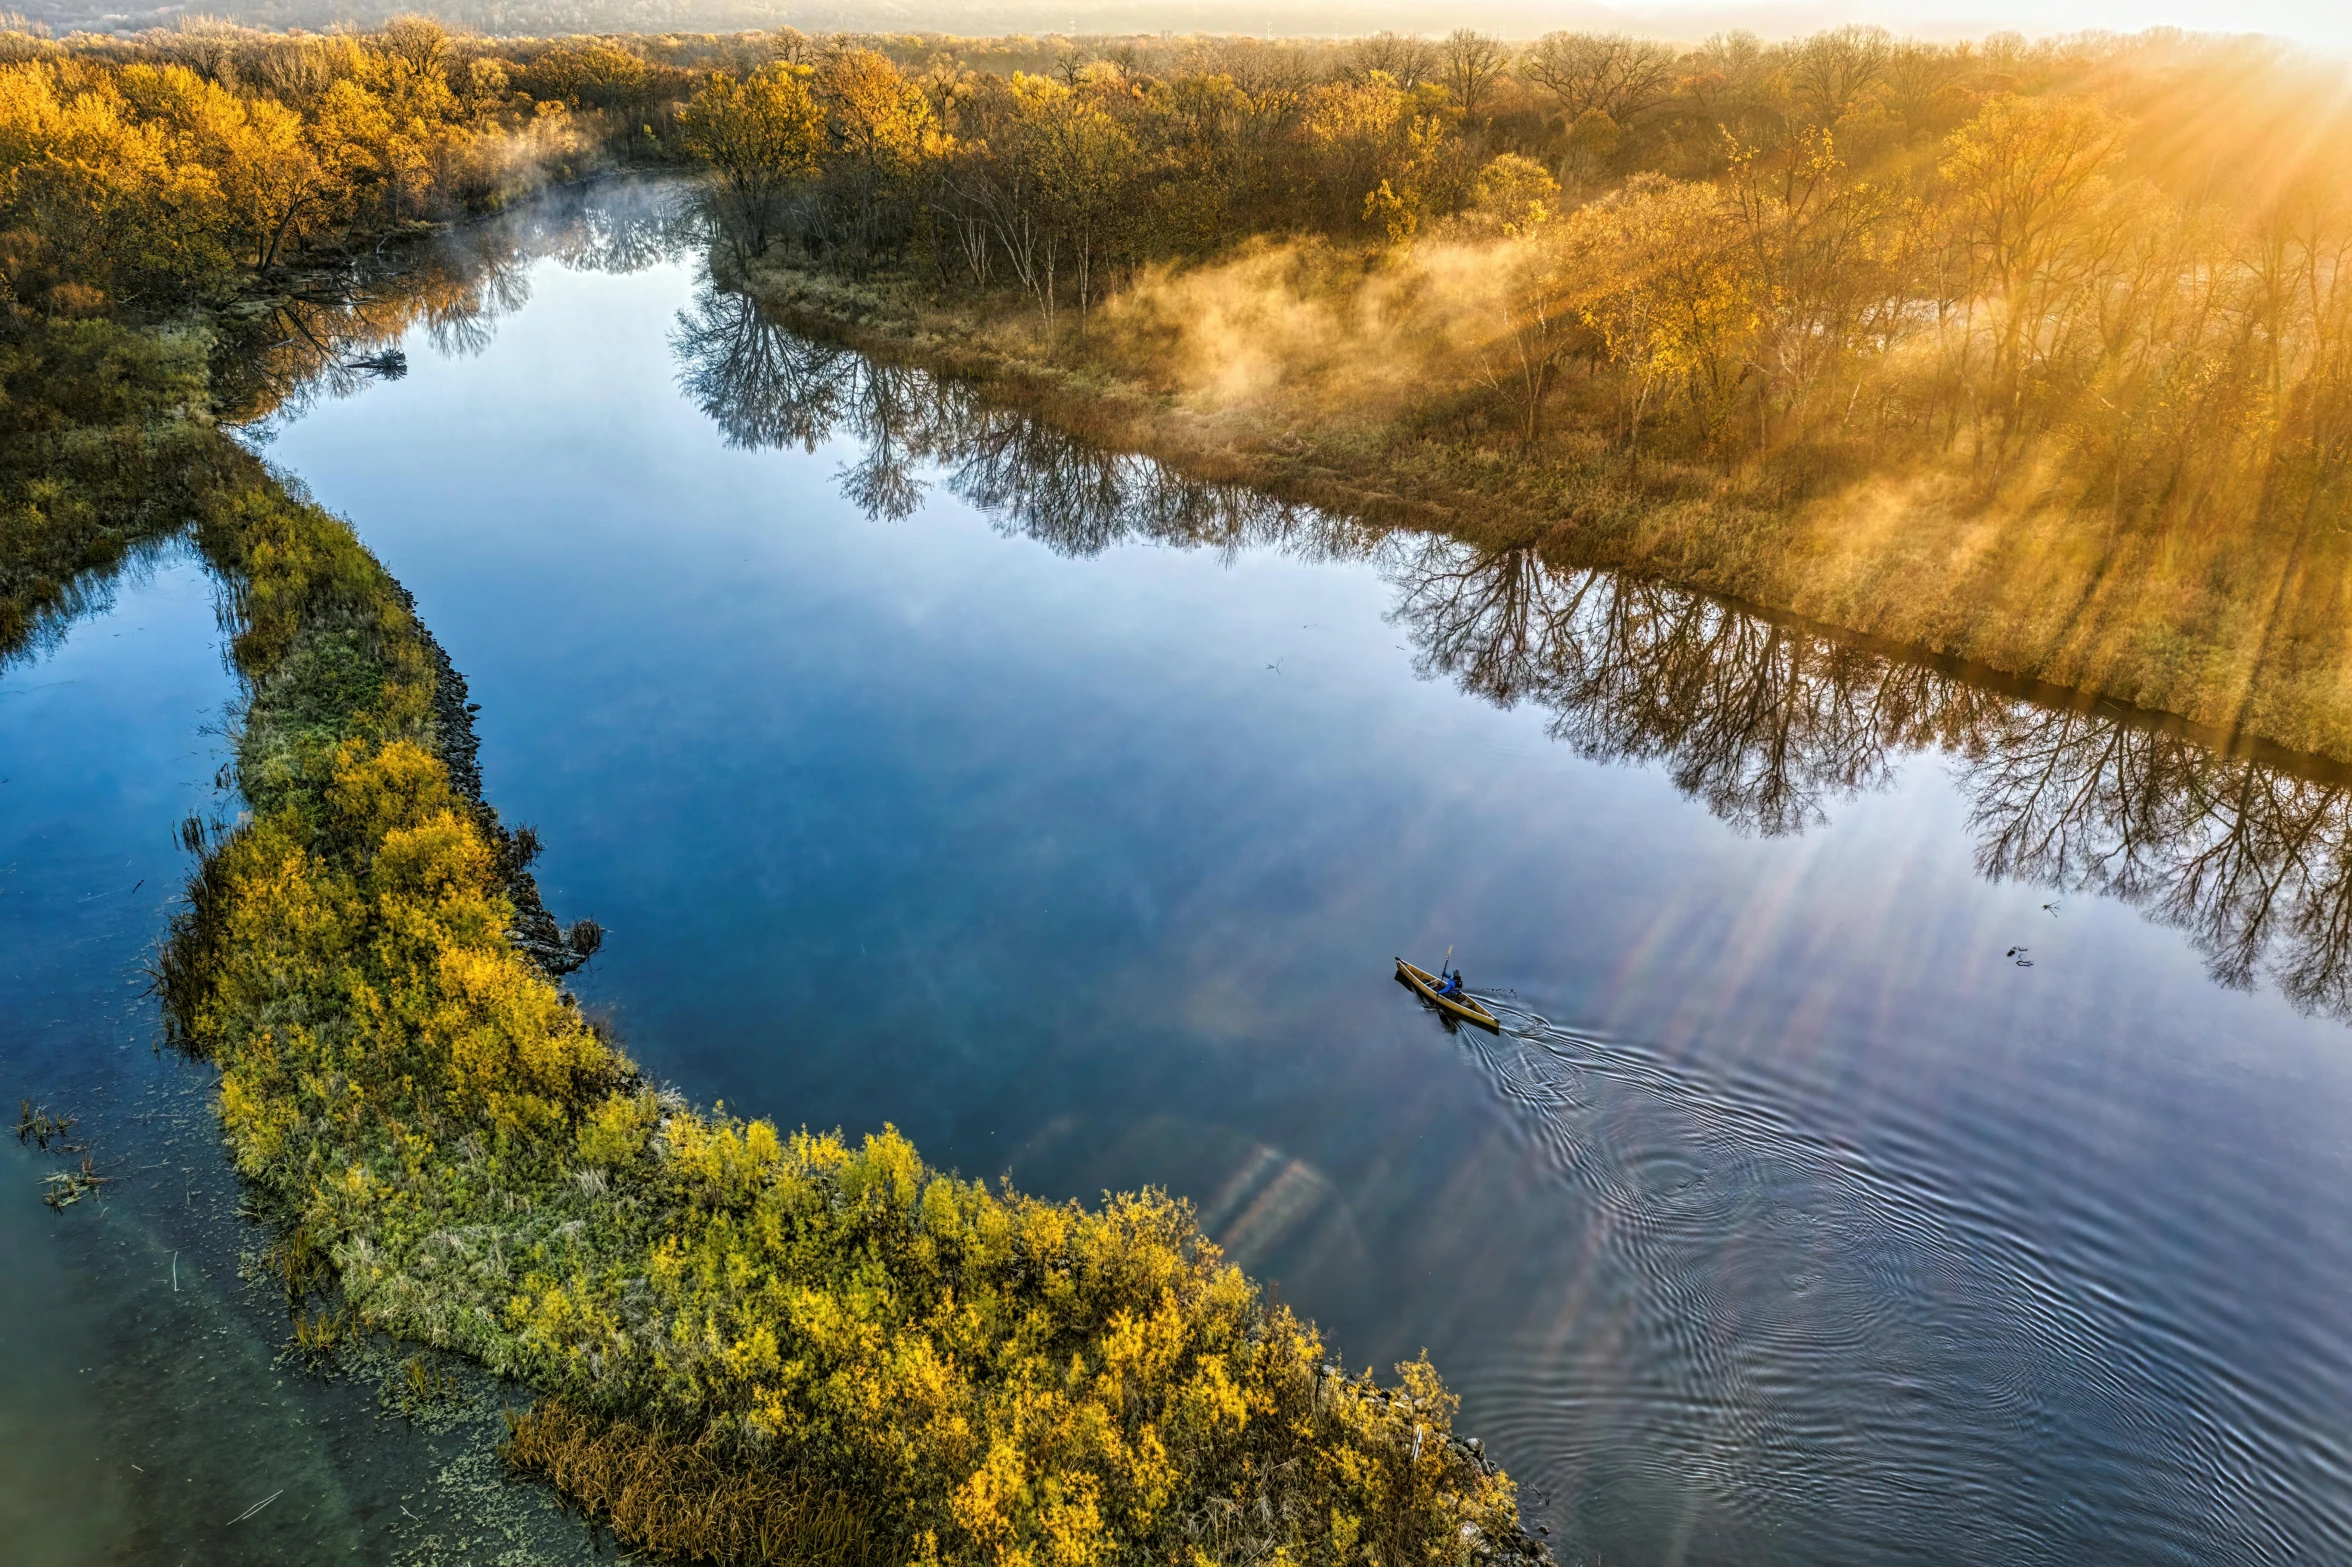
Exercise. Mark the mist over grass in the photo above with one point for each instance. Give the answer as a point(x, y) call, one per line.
point(2036, 353)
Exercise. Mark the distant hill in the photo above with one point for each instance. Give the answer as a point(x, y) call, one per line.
point(1257, 18)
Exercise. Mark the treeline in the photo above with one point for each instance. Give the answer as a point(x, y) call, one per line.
point(1846, 244)
point(143, 170)
point(2113, 263)
point(145, 174)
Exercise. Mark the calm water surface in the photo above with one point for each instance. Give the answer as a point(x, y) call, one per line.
point(926, 769)
point(147, 1411)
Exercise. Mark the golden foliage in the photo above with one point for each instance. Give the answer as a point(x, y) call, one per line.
point(669, 1488)
point(2036, 354)
point(131, 182)
point(761, 134)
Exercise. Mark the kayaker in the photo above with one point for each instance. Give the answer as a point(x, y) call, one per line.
point(1453, 984)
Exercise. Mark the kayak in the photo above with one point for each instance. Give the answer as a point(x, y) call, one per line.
point(1463, 1007)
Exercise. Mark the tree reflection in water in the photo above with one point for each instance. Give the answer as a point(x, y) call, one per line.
point(331, 333)
point(2251, 858)
point(1762, 722)
point(1766, 723)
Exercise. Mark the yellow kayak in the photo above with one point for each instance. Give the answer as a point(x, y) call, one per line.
point(1463, 1007)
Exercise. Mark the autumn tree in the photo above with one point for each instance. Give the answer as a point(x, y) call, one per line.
point(1669, 297)
point(102, 208)
point(2020, 183)
point(418, 45)
point(1832, 70)
point(883, 134)
point(296, 71)
point(1513, 200)
point(1830, 263)
point(273, 181)
point(1087, 164)
point(1373, 138)
point(763, 135)
point(1406, 60)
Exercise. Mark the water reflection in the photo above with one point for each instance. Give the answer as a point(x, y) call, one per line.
point(1766, 723)
point(2251, 860)
point(331, 335)
point(1762, 722)
point(766, 386)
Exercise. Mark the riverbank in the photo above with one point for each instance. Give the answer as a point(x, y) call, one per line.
point(1326, 382)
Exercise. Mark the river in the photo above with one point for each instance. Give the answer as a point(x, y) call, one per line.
point(1919, 1133)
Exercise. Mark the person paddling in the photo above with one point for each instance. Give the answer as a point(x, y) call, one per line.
point(1453, 984)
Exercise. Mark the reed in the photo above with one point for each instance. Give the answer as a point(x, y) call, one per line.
point(668, 1487)
point(64, 1188)
point(42, 1127)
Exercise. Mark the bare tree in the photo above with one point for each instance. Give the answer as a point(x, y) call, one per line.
point(1617, 75)
point(417, 42)
point(1831, 70)
point(1469, 64)
point(1408, 61)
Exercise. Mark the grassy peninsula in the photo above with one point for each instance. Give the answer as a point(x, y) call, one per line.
point(750, 1344)
point(758, 1346)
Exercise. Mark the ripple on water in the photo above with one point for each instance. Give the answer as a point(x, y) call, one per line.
point(1755, 1344)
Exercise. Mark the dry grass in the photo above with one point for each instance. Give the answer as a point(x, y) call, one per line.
point(2242, 629)
point(671, 1490)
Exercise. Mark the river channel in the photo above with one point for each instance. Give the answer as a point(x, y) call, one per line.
point(1920, 1129)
